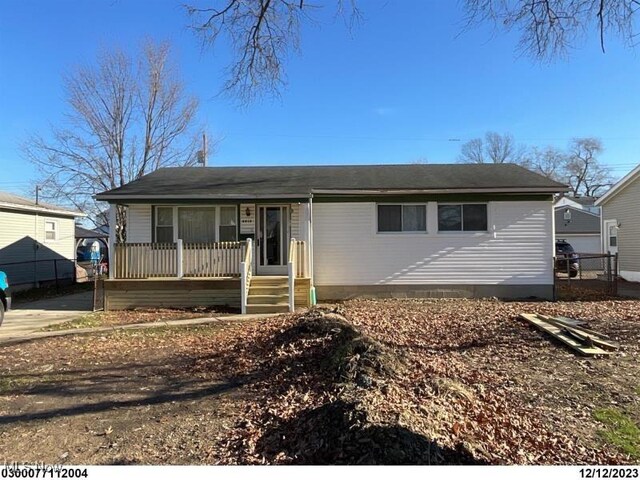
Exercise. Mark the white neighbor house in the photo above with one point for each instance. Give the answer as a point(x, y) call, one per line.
point(37, 241)
point(271, 238)
point(621, 224)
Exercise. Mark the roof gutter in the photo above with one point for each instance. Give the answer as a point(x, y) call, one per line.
point(438, 190)
point(169, 198)
point(114, 197)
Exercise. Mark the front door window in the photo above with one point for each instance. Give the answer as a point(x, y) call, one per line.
point(273, 236)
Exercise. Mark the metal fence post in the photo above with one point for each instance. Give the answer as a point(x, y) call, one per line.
point(555, 279)
point(55, 271)
point(615, 274)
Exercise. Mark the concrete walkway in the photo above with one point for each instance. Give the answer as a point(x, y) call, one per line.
point(35, 335)
point(32, 316)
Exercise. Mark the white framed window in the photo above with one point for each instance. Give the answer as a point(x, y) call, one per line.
point(196, 224)
point(406, 218)
point(164, 225)
point(50, 230)
point(228, 227)
point(463, 217)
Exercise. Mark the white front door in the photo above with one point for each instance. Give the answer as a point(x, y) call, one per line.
point(272, 243)
point(611, 236)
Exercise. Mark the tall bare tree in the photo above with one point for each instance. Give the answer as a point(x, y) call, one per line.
point(127, 117)
point(262, 33)
point(550, 28)
point(493, 148)
point(583, 171)
point(548, 161)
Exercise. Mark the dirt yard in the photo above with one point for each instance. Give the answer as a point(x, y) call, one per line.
point(397, 381)
point(128, 317)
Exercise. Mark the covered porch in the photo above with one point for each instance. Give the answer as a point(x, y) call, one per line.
point(242, 255)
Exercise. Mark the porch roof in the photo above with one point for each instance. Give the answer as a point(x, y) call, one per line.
point(303, 181)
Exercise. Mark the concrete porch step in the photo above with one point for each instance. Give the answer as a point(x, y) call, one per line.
point(268, 308)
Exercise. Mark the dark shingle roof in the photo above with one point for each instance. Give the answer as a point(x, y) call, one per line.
point(581, 221)
point(82, 232)
point(255, 182)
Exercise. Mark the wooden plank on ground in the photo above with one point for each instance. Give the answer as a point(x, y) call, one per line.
point(589, 337)
point(572, 322)
point(560, 334)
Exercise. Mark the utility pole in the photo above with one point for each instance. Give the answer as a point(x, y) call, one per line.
point(204, 149)
point(37, 194)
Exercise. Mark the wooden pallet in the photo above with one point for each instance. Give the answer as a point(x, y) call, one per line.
point(586, 342)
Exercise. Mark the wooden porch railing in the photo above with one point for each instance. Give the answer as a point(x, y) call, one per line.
point(292, 272)
point(301, 259)
point(145, 260)
point(221, 259)
point(153, 260)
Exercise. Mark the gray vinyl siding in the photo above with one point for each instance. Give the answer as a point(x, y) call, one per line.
point(625, 208)
point(22, 243)
point(517, 249)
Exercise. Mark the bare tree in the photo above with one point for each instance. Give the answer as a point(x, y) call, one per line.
point(583, 171)
point(550, 28)
point(548, 161)
point(493, 148)
point(126, 118)
point(262, 33)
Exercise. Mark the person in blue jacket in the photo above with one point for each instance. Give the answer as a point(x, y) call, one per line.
point(5, 295)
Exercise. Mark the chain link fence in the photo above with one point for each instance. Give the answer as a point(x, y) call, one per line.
point(585, 275)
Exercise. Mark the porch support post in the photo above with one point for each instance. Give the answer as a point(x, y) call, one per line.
point(179, 251)
point(112, 219)
point(292, 289)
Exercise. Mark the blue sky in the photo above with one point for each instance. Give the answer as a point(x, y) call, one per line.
point(396, 89)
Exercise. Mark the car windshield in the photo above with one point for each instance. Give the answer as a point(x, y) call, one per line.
point(564, 248)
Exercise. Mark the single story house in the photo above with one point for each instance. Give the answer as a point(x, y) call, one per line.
point(271, 238)
point(579, 227)
point(37, 242)
point(621, 224)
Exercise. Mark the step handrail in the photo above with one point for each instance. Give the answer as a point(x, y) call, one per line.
point(292, 271)
point(245, 276)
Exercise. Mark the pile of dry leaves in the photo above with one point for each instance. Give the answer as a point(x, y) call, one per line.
point(424, 381)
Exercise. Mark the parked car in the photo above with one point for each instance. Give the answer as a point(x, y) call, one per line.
point(5, 295)
point(566, 258)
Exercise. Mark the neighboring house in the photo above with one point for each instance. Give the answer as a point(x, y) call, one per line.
point(383, 230)
point(621, 224)
point(580, 228)
point(582, 203)
point(85, 238)
point(37, 242)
